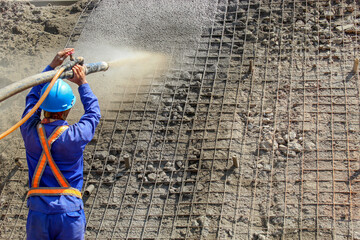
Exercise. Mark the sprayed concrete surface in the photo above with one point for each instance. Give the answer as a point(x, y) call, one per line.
point(147, 25)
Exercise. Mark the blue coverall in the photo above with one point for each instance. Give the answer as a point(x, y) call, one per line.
point(59, 217)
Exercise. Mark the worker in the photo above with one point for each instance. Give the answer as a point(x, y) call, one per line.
point(54, 153)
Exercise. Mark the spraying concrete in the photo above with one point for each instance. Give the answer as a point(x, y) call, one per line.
point(126, 31)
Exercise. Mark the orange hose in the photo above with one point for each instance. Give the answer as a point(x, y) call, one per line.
point(41, 100)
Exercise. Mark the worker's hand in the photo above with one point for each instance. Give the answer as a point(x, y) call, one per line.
point(61, 56)
point(79, 75)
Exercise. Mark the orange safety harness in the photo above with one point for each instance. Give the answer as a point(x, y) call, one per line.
point(65, 188)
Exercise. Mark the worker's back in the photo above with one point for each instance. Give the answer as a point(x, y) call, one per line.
point(54, 153)
point(67, 151)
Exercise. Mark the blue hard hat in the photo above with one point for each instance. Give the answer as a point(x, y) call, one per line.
point(60, 98)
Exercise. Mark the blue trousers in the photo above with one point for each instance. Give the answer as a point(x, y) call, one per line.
point(69, 226)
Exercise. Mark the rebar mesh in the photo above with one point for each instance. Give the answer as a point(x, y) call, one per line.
point(270, 85)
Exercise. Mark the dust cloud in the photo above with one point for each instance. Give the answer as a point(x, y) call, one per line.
point(127, 68)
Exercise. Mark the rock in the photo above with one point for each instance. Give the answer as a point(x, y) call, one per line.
point(349, 9)
point(110, 178)
point(152, 177)
point(203, 221)
point(162, 174)
point(197, 153)
point(166, 179)
point(169, 164)
point(170, 169)
point(268, 145)
point(309, 146)
point(101, 155)
point(283, 148)
point(292, 154)
point(185, 75)
point(87, 156)
point(266, 120)
point(119, 175)
point(352, 128)
point(299, 23)
point(51, 27)
point(193, 167)
point(144, 194)
point(75, 9)
point(140, 176)
point(179, 108)
point(151, 168)
point(268, 114)
point(290, 136)
point(259, 236)
point(190, 109)
point(295, 146)
point(264, 11)
point(198, 76)
point(139, 168)
point(116, 148)
point(109, 168)
point(194, 223)
point(16, 30)
point(280, 140)
point(97, 165)
point(324, 23)
point(112, 158)
point(276, 220)
point(267, 167)
point(356, 234)
point(173, 190)
point(86, 166)
point(179, 164)
point(230, 232)
point(329, 15)
point(345, 27)
point(170, 85)
point(248, 32)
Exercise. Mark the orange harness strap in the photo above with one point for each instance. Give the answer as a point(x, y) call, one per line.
point(65, 188)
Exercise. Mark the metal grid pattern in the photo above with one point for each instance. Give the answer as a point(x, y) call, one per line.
point(81, 22)
point(270, 86)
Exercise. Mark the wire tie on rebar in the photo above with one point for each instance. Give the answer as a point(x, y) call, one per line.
point(89, 189)
point(127, 161)
point(235, 162)
point(18, 163)
point(251, 67)
point(356, 65)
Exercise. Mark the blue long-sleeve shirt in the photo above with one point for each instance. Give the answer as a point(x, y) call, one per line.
point(67, 150)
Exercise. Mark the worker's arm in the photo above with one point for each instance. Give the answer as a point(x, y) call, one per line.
point(84, 130)
point(34, 94)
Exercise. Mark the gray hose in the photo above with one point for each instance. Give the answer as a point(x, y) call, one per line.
point(44, 77)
